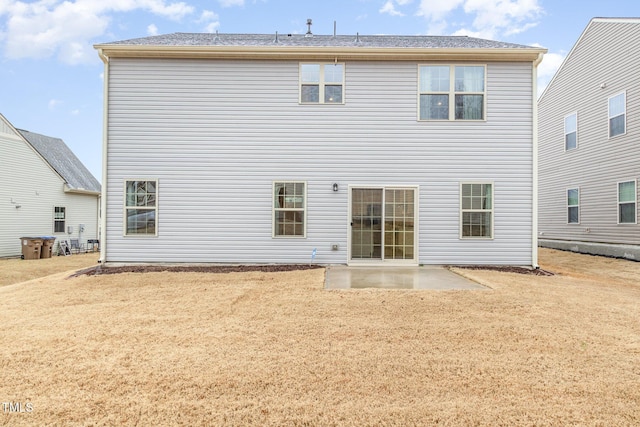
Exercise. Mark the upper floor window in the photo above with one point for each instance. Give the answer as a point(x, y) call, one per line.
point(59, 219)
point(476, 210)
point(289, 209)
point(617, 114)
point(322, 83)
point(573, 206)
point(452, 92)
point(627, 202)
point(141, 206)
point(571, 132)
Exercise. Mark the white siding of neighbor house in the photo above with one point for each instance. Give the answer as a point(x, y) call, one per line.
point(606, 54)
point(217, 134)
point(27, 180)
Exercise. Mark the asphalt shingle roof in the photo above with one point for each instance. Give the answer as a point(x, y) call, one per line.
point(300, 40)
point(63, 161)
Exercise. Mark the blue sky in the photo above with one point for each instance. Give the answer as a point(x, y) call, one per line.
point(52, 77)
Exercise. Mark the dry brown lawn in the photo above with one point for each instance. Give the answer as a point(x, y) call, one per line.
point(16, 270)
point(276, 349)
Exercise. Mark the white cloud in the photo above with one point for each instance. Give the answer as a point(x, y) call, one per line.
point(491, 18)
point(53, 104)
point(152, 30)
point(45, 28)
point(547, 69)
point(390, 8)
point(210, 19)
point(230, 3)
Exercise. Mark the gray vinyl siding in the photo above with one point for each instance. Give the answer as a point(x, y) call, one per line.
point(606, 53)
point(27, 180)
point(217, 134)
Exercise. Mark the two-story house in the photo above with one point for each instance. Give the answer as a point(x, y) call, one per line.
point(271, 148)
point(589, 152)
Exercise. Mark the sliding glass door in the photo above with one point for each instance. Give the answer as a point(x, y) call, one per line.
point(383, 223)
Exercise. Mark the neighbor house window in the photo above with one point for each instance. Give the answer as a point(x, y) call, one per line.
point(59, 219)
point(571, 132)
point(627, 202)
point(476, 209)
point(573, 206)
point(452, 92)
point(322, 83)
point(141, 207)
point(289, 209)
point(617, 114)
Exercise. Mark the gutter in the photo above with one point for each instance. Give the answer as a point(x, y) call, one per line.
point(318, 53)
point(68, 189)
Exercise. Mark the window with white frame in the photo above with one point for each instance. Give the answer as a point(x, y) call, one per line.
point(452, 92)
point(617, 114)
point(476, 210)
point(573, 206)
point(322, 83)
point(627, 202)
point(289, 209)
point(141, 207)
point(571, 131)
point(59, 219)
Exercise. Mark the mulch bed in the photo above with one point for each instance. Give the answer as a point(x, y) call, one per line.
point(271, 268)
point(509, 269)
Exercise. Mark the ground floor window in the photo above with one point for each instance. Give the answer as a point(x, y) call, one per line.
point(627, 202)
point(59, 219)
point(476, 210)
point(289, 209)
point(141, 205)
point(573, 206)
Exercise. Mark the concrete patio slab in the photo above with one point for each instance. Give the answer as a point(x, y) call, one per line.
point(428, 277)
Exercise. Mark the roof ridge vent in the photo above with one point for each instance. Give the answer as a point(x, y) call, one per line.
point(309, 33)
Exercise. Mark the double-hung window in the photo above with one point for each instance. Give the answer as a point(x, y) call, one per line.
point(322, 83)
point(289, 209)
point(627, 202)
point(617, 114)
point(573, 206)
point(476, 210)
point(59, 219)
point(452, 92)
point(571, 131)
point(141, 207)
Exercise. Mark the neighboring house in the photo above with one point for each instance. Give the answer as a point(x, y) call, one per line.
point(245, 148)
point(44, 190)
point(589, 130)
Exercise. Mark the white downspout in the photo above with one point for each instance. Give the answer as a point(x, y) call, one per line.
point(103, 199)
point(534, 165)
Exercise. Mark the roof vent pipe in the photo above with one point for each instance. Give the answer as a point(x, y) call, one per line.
point(276, 40)
point(309, 23)
point(334, 29)
point(357, 37)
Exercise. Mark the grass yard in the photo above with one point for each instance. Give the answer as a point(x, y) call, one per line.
point(277, 349)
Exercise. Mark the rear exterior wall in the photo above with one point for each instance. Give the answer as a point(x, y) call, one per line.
point(216, 134)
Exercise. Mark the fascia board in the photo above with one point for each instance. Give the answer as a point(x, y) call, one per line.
point(320, 53)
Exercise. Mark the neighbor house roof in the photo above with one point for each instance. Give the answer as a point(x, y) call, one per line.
point(317, 46)
point(77, 177)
